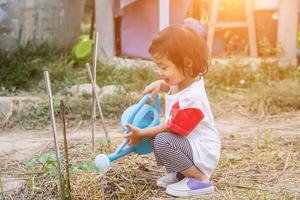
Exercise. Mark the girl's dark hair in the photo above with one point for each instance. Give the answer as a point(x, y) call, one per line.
point(184, 47)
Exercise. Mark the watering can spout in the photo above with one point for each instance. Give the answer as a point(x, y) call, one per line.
point(123, 152)
point(103, 161)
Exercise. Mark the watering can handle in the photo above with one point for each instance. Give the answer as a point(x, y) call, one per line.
point(137, 108)
point(156, 103)
point(141, 103)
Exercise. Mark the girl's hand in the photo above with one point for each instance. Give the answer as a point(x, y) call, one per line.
point(134, 135)
point(155, 87)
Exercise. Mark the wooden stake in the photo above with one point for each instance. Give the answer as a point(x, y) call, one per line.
point(62, 111)
point(94, 93)
point(98, 102)
point(52, 116)
point(92, 26)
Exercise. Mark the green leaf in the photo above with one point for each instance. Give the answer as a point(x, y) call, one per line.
point(46, 170)
point(286, 196)
point(43, 159)
point(74, 168)
point(51, 163)
point(82, 49)
point(84, 166)
point(31, 162)
point(49, 170)
point(232, 156)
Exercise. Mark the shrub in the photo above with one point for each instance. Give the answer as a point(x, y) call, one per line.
point(131, 78)
point(23, 68)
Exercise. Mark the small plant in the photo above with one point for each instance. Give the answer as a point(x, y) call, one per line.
point(47, 164)
point(36, 116)
point(235, 44)
point(84, 166)
point(267, 50)
point(265, 195)
point(131, 78)
point(232, 156)
point(1, 188)
point(267, 136)
point(286, 196)
point(31, 181)
point(22, 68)
point(252, 193)
point(298, 38)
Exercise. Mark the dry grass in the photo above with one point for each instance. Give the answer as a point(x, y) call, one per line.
point(267, 91)
point(257, 166)
point(260, 166)
point(274, 98)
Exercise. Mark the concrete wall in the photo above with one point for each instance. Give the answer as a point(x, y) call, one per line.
point(288, 27)
point(105, 29)
point(54, 21)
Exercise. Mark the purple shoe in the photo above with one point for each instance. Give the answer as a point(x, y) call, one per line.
point(169, 178)
point(189, 187)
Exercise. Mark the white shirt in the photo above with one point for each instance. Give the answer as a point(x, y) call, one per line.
point(204, 137)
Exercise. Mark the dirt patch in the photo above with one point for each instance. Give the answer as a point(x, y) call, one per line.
point(240, 133)
point(24, 144)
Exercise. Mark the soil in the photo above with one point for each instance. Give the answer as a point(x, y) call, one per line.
point(20, 145)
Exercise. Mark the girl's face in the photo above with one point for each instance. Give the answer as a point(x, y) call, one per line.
point(168, 70)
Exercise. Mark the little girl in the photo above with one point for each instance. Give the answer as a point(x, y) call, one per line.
point(187, 143)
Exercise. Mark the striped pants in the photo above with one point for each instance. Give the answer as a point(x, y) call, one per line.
point(172, 151)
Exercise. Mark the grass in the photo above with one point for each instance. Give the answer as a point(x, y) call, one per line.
point(1, 188)
point(275, 97)
point(246, 170)
point(77, 109)
point(268, 90)
point(257, 166)
point(22, 70)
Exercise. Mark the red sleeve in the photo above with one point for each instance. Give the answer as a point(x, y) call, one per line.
point(184, 121)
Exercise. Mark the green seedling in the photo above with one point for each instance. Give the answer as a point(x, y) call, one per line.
point(267, 136)
point(286, 196)
point(84, 166)
point(31, 181)
point(252, 193)
point(1, 188)
point(48, 163)
point(265, 195)
point(232, 156)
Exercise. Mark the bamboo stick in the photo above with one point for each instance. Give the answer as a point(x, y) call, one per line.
point(62, 111)
point(98, 102)
point(92, 26)
point(95, 52)
point(52, 116)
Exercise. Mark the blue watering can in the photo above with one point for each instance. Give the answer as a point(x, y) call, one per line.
point(140, 115)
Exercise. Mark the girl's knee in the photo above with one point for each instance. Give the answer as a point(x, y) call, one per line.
point(161, 140)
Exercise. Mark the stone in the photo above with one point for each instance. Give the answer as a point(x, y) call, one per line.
point(6, 106)
point(83, 89)
point(9, 105)
point(11, 184)
point(20, 103)
point(111, 90)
